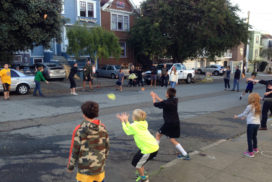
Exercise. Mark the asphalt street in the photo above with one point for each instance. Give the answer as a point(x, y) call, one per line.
point(35, 133)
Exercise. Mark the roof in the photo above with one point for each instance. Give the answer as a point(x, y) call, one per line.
point(266, 36)
point(106, 3)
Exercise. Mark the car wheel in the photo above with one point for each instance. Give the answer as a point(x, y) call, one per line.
point(113, 76)
point(216, 73)
point(189, 79)
point(22, 89)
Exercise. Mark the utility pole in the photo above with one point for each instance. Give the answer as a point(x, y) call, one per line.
point(246, 48)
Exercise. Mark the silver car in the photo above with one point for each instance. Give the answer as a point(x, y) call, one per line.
point(110, 71)
point(53, 71)
point(20, 82)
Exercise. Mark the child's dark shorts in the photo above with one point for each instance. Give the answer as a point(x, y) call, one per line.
point(171, 131)
point(248, 90)
point(6, 87)
point(139, 159)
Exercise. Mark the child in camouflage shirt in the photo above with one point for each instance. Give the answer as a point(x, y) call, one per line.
point(89, 146)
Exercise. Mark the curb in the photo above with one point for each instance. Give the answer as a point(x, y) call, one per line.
point(175, 161)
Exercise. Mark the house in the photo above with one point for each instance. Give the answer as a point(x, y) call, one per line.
point(118, 16)
point(83, 11)
point(254, 48)
point(266, 42)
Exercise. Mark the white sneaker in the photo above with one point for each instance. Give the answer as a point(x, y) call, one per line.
point(75, 94)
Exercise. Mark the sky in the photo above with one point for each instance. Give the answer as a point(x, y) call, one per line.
point(260, 13)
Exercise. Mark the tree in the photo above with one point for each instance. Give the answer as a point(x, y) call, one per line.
point(95, 42)
point(28, 23)
point(188, 28)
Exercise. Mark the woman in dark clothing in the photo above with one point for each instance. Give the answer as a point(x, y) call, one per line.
point(227, 78)
point(71, 77)
point(140, 77)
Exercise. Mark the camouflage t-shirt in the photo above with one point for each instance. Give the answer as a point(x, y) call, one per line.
point(89, 148)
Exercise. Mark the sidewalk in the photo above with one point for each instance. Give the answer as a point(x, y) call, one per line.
point(222, 162)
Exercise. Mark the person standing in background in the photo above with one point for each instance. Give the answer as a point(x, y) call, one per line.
point(38, 78)
point(173, 77)
point(87, 75)
point(164, 76)
point(227, 78)
point(154, 72)
point(71, 77)
point(6, 80)
point(236, 80)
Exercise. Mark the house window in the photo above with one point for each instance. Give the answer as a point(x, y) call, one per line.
point(126, 23)
point(17, 58)
point(86, 8)
point(90, 10)
point(123, 49)
point(119, 22)
point(83, 8)
point(37, 60)
point(257, 40)
point(114, 22)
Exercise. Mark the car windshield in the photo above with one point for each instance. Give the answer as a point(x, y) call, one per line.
point(54, 65)
point(117, 67)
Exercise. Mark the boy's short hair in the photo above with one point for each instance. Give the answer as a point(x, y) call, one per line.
point(90, 109)
point(253, 74)
point(171, 92)
point(139, 115)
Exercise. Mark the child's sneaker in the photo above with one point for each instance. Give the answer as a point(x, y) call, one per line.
point(249, 154)
point(186, 157)
point(145, 180)
point(256, 151)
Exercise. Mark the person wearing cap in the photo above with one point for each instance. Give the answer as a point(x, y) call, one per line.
point(267, 105)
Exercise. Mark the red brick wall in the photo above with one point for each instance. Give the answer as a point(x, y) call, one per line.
point(236, 53)
point(123, 36)
point(127, 5)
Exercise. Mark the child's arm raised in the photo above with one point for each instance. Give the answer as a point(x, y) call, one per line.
point(128, 129)
point(244, 114)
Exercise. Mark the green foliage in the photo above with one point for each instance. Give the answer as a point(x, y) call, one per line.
point(28, 23)
point(96, 42)
point(184, 29)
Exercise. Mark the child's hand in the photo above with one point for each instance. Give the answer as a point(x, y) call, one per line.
point(125, 117)
point(152, 94)
point(119, 116)
point(243, 118)
point(235, 116)
point(267, 93)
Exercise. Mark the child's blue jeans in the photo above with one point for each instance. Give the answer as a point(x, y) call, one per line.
point(252, 130)
point(173, 84)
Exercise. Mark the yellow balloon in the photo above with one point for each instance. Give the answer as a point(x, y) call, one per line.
point(111, 96)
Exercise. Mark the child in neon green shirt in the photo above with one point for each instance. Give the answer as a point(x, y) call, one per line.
point(144, 140)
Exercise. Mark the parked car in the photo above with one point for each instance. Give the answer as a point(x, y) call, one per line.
point(20, 82)
point(214, 69)
point(24, 68)
point(184, 74)
point(53, 70)
point(110, 71)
